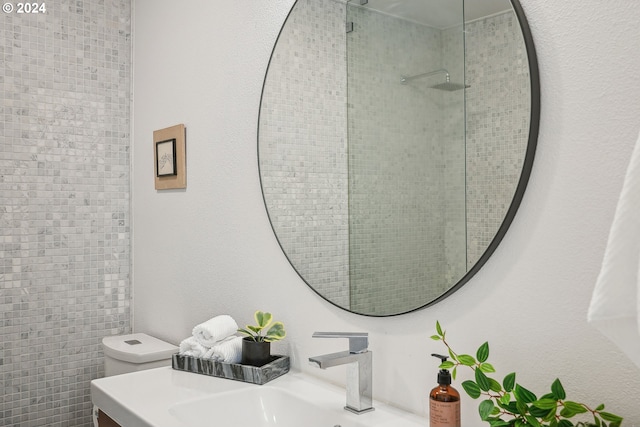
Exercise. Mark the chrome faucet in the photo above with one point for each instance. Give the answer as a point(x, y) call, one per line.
point(359, 363)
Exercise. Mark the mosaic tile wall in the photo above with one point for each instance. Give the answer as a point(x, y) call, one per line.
point(64, 215)
point(303, 145)
point(498, 106)
point(398, 186)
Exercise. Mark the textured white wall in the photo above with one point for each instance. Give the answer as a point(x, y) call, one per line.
point(210, 249)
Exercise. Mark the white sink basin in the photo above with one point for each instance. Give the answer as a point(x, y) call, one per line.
point(165, 397)
point(261, 407)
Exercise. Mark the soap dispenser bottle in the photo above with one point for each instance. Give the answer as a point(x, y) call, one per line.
point(444, 401)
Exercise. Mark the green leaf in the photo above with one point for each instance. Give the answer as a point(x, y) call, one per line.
point(255, 329)
point(487, 368)
point(532, 421)
point(482, 380)
point(545, 403)
point(454, 372)
point(522, 408)
point(607, 416)
point(509, 381)
point(523, 395)
point(495, 385)
point(575, 407)
point(262, 318)
point(551, 415)
point(565, 423)
point(447, 365)
point(439, 329)
point(247, 332)
point(472, 389)
point(600, 407)
point(485, 409)
point(435, 337)
point(466, 360)
point(483, 352)
point(276, 332)
point(540, 413)
point(499, 423)
point(558, 390)
point(452, 356)
point(511, 406)
point(567, 413)
point(505, 399)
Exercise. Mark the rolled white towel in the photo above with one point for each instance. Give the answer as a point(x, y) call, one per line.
point(229, 350)
point(191, 347)
point(214, 330)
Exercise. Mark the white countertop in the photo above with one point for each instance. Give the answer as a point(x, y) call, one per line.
point(144, 399)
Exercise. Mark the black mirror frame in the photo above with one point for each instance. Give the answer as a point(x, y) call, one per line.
point(534, 128)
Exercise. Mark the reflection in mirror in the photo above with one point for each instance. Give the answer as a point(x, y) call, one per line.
point(405, 118)
point(391, 146)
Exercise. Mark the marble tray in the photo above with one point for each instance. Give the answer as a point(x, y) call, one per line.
point(279, 365)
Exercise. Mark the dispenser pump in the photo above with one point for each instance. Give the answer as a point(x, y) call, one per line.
point(444, 400)
point(444, 376)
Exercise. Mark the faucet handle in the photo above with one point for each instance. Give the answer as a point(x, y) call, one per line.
point(358, 341)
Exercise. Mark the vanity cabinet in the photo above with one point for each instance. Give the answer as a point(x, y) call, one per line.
point(105, 421)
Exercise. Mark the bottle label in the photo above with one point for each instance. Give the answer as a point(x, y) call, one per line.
point(444, 414)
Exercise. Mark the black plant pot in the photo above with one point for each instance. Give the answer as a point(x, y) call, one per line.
point(255, 353)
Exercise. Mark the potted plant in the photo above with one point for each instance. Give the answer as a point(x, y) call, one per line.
point(256, 346)
point(509, 404)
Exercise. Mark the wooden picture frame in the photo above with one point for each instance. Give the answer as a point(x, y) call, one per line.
point(169, 157)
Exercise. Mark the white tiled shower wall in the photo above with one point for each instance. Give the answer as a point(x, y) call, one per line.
point(303, 145)
point(64, 180)
point(497, 117)
point(314, 145)
point(398, 185)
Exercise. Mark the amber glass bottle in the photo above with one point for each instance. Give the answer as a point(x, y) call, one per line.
point(444, 401)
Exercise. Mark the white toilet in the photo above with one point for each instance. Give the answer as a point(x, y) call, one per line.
point(135, 352)
point(131, 353)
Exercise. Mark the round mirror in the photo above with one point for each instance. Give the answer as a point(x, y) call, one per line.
point(395, 143)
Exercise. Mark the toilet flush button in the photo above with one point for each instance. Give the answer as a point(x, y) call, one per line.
point(133, 342)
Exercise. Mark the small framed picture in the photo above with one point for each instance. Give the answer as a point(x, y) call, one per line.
point(166, 157)
point(170, 157)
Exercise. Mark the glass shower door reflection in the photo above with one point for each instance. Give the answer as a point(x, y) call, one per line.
point(406, 159)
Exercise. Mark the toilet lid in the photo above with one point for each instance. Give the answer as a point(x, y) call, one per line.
point(137, 348)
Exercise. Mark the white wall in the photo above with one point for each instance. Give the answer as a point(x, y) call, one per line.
point(210, 249)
